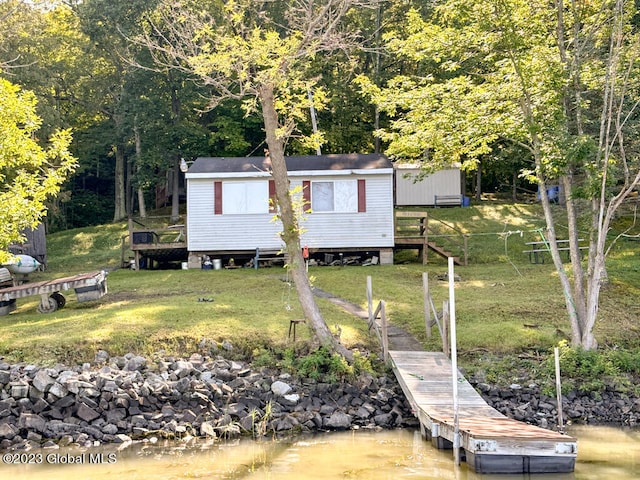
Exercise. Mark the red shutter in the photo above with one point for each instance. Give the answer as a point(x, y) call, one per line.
point(306, 195)
point(217, 198)
point(272, 196)
point(362, 196)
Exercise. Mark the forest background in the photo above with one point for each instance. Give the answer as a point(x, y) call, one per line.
point(131, 126)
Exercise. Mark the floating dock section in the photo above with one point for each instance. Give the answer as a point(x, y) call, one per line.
point(489, 441)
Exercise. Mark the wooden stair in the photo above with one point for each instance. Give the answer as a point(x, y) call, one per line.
point(443, 253)
point(414, 231)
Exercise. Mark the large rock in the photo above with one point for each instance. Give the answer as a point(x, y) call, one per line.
point(208, 429)
point(339, 420)
point(32, 421)
point(58, 390)
point(19, 389)
point(7, 431)
point(280, 388)
point(5, 377)
point(42, 381)
point(101, 357)
point(86, 413)
point(135, 363)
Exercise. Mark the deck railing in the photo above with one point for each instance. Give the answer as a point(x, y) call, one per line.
point(153, 236)
point(156, 229)
point(417, 228)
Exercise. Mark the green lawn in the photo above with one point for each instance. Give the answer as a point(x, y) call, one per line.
point(504, 303)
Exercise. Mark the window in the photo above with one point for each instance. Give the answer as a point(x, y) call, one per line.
point(241, 197)
point(322, 197)
point(336, 196)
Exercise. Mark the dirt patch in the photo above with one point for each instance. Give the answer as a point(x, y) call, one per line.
point(399, 338)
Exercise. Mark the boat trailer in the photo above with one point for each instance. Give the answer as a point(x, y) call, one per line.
point(87, 286)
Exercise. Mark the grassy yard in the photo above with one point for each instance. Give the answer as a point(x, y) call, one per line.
point(505, 305)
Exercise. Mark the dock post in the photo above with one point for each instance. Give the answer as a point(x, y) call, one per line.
point(454, 365)
point(556, 353)
point(385, 337)
point(370, 299)
point(426, 295)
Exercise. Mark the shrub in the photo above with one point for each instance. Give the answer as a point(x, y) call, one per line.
point(592, 370)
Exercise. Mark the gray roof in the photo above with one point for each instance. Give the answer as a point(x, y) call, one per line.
point(350, 161)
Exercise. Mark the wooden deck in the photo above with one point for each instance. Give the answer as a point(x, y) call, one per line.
point(155, 243)
point(490, 442)
point(415, 230)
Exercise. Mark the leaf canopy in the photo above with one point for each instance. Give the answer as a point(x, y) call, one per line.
point(29, 173)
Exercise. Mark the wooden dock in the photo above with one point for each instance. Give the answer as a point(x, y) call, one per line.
point(489, 441)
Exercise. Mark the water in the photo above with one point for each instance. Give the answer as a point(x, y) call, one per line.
point(603, 453)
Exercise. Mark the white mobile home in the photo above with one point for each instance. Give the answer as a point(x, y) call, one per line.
point(443, 187)
point(351, 198)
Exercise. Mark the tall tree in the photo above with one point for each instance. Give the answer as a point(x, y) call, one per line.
point(150, 109)
point(259, 52)
point(560, 80)
point(56, 66)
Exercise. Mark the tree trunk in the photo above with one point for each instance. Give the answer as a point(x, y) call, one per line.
point(290, 231)
point(479, 181)
point(141, 203)
point(120, 210)
point(176, 110)
point(175, 190)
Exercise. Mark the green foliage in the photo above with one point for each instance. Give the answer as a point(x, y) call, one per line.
point(29, 173)
point(493, 73)
point(263, 357)
point(503, 370)
point(626, 361)
point(586, 370)
point(86, 208)
point(323, 365)
point(319, 365)
point(594, 370)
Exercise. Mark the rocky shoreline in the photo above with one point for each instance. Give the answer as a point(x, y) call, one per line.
point(528, 404)
point(123, 399)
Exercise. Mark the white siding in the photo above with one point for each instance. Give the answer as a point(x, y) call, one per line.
point(206, 231)
point(442, 182)
point(373, 228)
point(209, 232)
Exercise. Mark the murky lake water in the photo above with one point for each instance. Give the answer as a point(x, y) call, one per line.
point(603, 453)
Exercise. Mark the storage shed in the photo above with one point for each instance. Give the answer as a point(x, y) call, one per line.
point(35, 244)
point(351, 198)
point(441, 188)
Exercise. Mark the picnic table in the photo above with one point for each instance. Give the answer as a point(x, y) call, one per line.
point(539, 248)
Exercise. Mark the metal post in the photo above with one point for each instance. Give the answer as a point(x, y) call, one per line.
point(556, 353)
point(454, 365)
point(425, 296)
point(370, 299)
point(445, 328)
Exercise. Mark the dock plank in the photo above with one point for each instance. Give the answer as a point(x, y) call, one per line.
point(492, 442)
